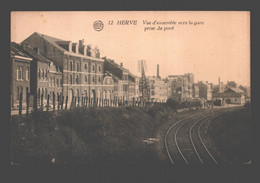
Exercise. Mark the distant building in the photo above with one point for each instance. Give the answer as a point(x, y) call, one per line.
point(231, 95)
point(121, 77)
point(20, 75)
point(181, 86)
point(159, 89)
point(195, 92)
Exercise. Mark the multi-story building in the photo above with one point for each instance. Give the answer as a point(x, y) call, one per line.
point(134, 86)
point(159, 89)
point(181, 86)
point(121, 77)
point(195, 92)
point(81, 66)
point(39, 75)
point(55, 80)
point(20, 75)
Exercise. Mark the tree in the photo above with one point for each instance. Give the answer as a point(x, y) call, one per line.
point(242, 88)
point(231, 84)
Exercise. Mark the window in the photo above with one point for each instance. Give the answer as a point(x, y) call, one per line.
point(42, 93)
point(39, 74)
point(86, 79)
point(27, 74)
point(71, 66)
point(50, 83)
point(70, 79)
point(77, 79)
point(58, 82)
point(99, 79)
point(46, 94)
point(85, 67)
point(93, 79)
point(17, 73)
point(42, 74)
point(93, 68)
point(125, 88)
point(21, 73)
point(78, 67)
point(53, 81)
point(21, 90)
point(99, 69)
point(18, 93)
point(45, 74)
point(39, 93)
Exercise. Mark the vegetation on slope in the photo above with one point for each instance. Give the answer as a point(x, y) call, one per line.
point(87, 135)
point(231, 133)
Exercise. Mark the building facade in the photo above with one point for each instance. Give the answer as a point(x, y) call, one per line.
point(81, 66)
point(20, 75)
point(181, 86)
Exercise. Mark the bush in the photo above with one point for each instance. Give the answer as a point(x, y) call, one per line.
point(173, 103)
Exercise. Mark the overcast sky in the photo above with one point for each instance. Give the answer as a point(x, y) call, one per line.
point(218, 48)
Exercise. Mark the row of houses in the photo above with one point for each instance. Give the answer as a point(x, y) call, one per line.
point(46, 66)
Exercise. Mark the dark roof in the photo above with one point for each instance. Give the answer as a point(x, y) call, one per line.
point(115, 64)
point(236, 90)
point(59, 43)
point(132, 77)
point(113, 76)
point(30, 51)
point(227, 95)
point(16, 49)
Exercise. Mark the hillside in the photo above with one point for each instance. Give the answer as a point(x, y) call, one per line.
point(86, 135)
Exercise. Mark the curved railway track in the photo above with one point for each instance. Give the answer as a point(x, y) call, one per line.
point(185, 142)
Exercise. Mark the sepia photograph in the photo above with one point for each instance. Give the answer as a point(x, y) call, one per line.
point(135, 88)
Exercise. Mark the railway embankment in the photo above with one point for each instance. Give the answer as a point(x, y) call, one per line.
point(231, 133)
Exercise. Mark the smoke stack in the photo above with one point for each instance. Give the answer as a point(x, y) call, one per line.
point(158, 75)
point(218, 80)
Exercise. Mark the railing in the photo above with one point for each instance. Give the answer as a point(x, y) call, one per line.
point(61, 102)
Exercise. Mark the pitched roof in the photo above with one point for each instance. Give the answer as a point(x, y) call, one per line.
point(16, 49)
point(116, 65)
point(30, 51)
point(113, 76)
point(227, 95)
point(59, 43)
point(236, 90)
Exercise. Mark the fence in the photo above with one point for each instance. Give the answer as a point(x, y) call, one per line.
point(61, 102)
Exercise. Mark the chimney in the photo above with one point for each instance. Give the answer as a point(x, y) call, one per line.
point(85, 50)
point(158, 75)
point(121, 64)
point(77, 48)
point(70, 46)
point(218, 80)
point(81, 42)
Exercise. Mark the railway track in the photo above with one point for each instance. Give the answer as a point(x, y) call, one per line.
point(185, 141)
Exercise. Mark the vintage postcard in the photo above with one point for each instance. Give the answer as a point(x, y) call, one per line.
point(130, 88)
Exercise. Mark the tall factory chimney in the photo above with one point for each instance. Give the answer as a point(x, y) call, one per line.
point(218, 81)
point(158, 75)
